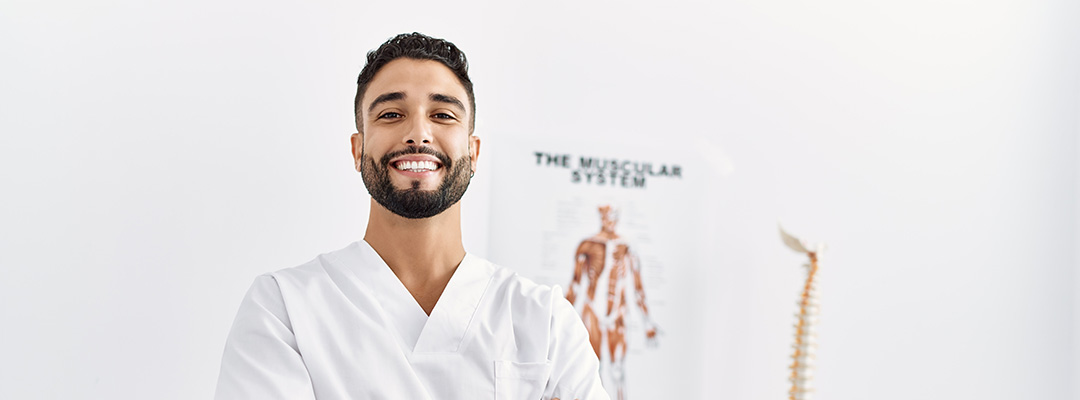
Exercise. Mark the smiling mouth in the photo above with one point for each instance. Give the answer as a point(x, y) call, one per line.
point(416, 166)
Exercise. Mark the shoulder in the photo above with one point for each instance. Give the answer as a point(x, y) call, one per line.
point(521, 291)
point(530, 302)
point(319, 282)
point(302, 274)
point(315, 271)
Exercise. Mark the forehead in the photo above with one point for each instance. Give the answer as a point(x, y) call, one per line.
point(418, 79)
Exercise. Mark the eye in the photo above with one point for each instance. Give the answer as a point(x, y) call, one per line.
point(390, 115)
point(443, 116)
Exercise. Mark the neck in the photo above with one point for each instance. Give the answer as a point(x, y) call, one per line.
point(419, 251)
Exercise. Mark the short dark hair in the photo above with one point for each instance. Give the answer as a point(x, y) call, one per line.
point(416, 46)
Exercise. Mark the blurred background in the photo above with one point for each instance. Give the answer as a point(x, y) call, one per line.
point(156, 156)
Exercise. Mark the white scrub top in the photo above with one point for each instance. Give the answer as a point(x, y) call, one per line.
point(344, 327)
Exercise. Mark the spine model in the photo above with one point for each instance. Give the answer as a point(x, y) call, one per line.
point(802, 358)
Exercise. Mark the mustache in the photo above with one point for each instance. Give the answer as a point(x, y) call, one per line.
point(443, 158)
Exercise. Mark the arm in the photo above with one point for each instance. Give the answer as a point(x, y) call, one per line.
point(575, 372)
point(639, 292)
point(576, 284)
point(261, 359)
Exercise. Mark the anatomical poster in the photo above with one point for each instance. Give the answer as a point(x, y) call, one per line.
point(620, 230)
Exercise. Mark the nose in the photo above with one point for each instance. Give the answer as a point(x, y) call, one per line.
point(419, 132)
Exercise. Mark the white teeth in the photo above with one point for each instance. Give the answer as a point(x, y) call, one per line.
point(416, 166)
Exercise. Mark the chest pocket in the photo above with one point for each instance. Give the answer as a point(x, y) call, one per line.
point(520, 381)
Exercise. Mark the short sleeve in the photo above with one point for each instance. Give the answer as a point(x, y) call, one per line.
point(575, 369)
point(261, 359)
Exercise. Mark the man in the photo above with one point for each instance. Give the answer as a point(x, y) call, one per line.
point(407, 313)
point(605, 261)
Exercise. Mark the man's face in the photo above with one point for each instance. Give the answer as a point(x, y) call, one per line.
point(415, 152)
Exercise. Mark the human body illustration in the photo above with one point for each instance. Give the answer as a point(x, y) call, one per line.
point(606, 273)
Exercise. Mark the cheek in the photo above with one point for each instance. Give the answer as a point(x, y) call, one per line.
point(375, 145)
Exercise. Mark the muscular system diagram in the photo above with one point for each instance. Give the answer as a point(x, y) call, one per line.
point(802, 362)
point(606, 274)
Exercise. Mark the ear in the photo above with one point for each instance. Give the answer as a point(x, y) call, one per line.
point(474, 151)
point(357, 149)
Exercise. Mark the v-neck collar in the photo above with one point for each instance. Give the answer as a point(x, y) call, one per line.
point(445, 329)
point(453, 313)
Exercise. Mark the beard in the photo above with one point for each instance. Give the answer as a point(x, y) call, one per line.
point(413, 202)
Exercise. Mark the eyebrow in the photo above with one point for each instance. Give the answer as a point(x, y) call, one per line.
point(442, 98)
point(385, 97)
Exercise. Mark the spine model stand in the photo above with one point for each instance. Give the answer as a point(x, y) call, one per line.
point(802, 359)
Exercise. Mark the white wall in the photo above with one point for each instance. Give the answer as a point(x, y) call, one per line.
point(156, 157)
